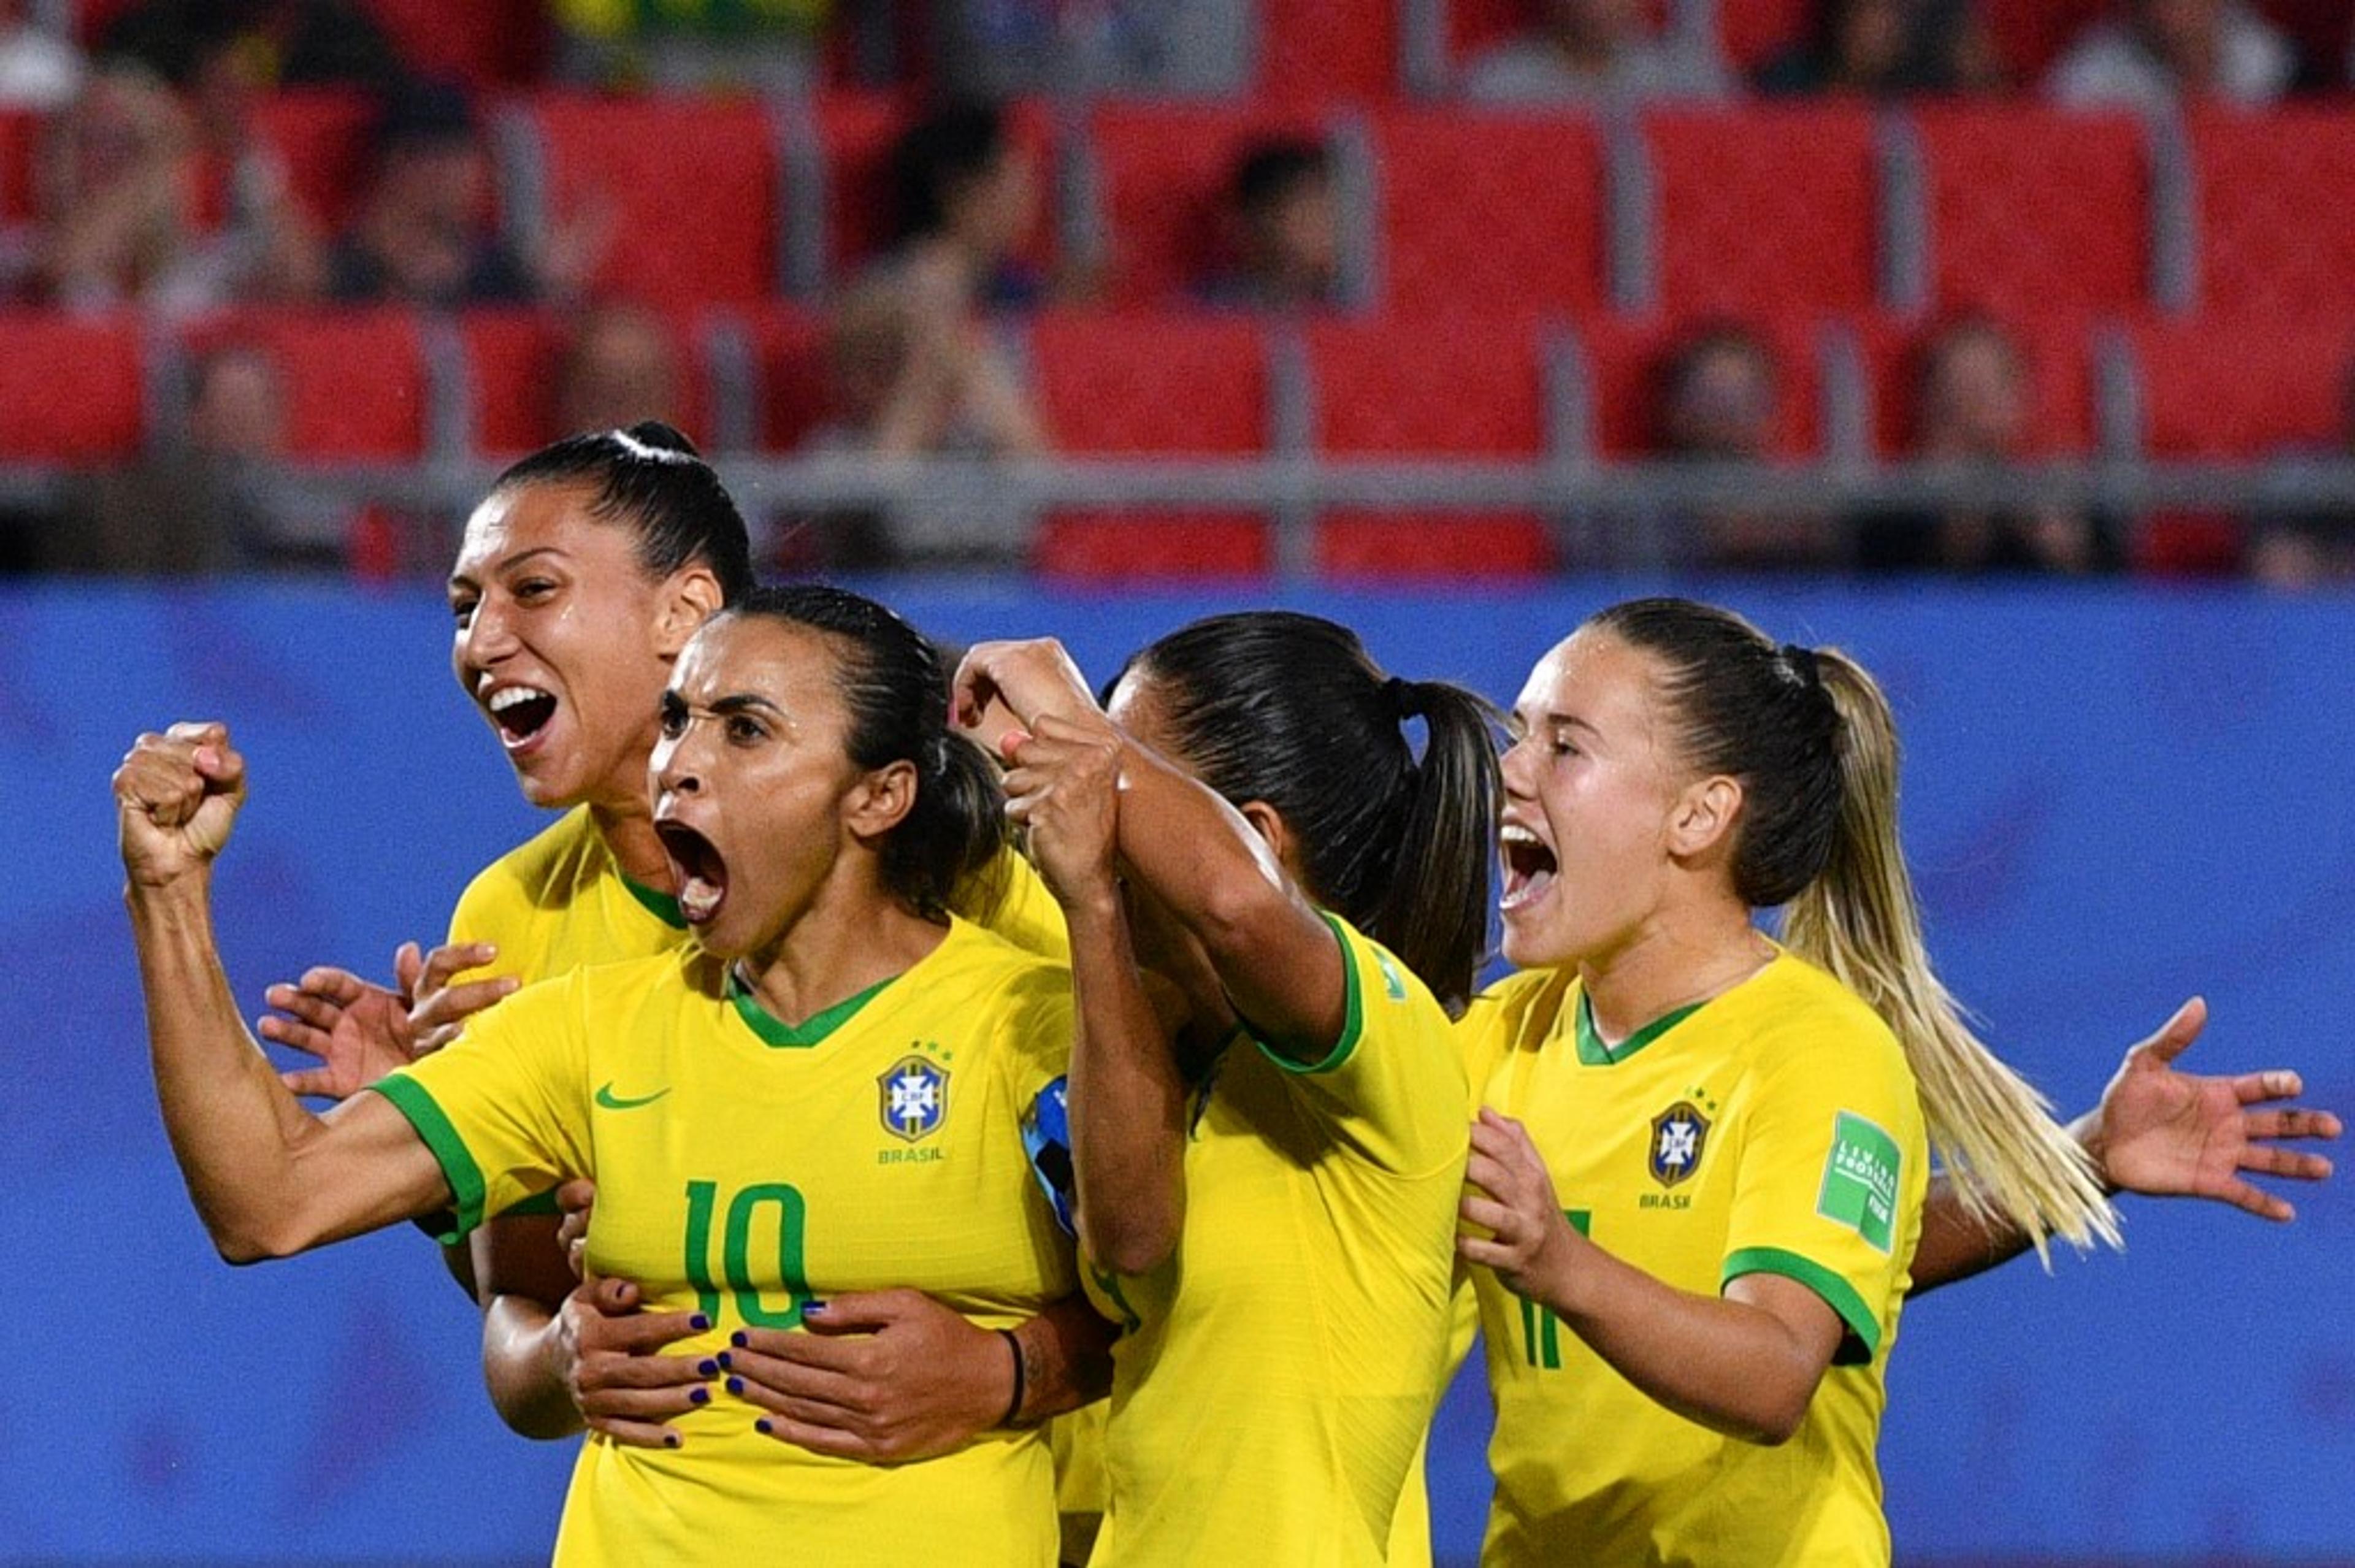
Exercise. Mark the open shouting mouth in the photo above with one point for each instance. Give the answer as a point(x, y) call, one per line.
point(1530, 867)
point(699, 871)
point(521, 712)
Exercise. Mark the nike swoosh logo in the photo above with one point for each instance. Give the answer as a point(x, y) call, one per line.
point(612, 1101)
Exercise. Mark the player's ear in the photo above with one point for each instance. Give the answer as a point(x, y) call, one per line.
point(882, 800)
point(690, 596)
point(1701, 821)
point(1269, 823)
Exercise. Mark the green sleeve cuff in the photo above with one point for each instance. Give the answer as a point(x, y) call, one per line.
point(1862, 1342)
point(412, 1099)
point(1353, 1020)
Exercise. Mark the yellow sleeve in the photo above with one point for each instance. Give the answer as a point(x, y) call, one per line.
point(1009, 900)
point(1393, 1083)
point(1831, 1150)
point(1035, 1036)
point(506, 1109)
point(484, 912)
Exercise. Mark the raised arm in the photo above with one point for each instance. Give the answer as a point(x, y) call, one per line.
point(1127, 1097)
point(2160, 1132)
point(268, 1178)
point(1218, 870)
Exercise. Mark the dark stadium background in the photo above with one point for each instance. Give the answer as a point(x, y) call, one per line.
point(2128, 771)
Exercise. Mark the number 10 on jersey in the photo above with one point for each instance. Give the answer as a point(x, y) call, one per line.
point(764, 1214)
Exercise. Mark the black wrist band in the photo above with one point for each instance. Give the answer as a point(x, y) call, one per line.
point(1014, 1405)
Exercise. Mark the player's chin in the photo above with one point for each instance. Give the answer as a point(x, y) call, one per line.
point(1531, 941)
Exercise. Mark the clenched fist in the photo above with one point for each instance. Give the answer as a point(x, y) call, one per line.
point(176, 794)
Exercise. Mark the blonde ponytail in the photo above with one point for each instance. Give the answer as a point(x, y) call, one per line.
point(1993, 1132)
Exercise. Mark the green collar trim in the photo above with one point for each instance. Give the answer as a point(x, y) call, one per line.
point(811, 1030)
point(662, 906)
point(1593, 1053)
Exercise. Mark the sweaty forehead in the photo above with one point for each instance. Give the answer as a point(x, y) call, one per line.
point(1594, 676)
point(789, 666)
point(537, 517)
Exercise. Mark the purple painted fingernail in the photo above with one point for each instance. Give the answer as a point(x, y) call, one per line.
point(700, 1323)
point(670, 1439)
point(764, 1428)
point(738, 1340)
point(735, 1385)
point(709, 1368)
point(812, 1309)
point(722, 1360)
point(698, 1396)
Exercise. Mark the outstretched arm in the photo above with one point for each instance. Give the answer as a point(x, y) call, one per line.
point(268, 1178)
point(2160, 1132)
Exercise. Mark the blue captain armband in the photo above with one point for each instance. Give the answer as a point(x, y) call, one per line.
point(1047, 1139)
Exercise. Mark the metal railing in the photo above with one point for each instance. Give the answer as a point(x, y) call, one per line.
point(979, 509)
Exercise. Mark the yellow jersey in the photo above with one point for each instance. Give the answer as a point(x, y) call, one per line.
point(1772, 1129)
point(745, 1166)
point(560, 900)
point(1278, 1371)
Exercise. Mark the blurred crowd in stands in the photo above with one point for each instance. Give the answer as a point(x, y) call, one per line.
point(151, 189)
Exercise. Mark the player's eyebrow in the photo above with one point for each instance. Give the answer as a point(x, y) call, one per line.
point(1519, 723)
point(745, 702)
point(506, 563)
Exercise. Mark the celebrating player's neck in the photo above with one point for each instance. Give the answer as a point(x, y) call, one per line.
point(1675, 959)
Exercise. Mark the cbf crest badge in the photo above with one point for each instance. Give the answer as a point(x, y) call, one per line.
point(915, 1097)
point(1680, 1134)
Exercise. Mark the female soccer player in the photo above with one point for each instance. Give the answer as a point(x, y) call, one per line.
point(823, 1093)
point(1702, 1163)
point(1271, 1216)
point(580, 578)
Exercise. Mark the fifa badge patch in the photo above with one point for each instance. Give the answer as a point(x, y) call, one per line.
point(1860, 1188)
point(915, 1097)
point(1679, 1135)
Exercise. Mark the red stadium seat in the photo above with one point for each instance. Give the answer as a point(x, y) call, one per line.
point(1501, 210)
point(20, 141)
point(2235, 388)
point(514, 364)
point(2029, 35)
point(1442, 388)
point(690, 183)
point(1765, 210)
point(2055, 350)
point(1752, 32)
point(2242, 386)
point(1327, 48)
point(511, 379)
point(1474, 25)
point(855, 133)
point(355, 380)
point(1627, 361)
point(70, 389)
point(483, 42)
point(2031, 210)
point(1166, 170)
point(1130, 386)
point(323, 139)
point(790, 366)
point(2276, 233)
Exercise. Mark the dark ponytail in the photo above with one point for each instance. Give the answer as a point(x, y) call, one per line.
point(651, 478)
point(896, 687)
point(1286, 708)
